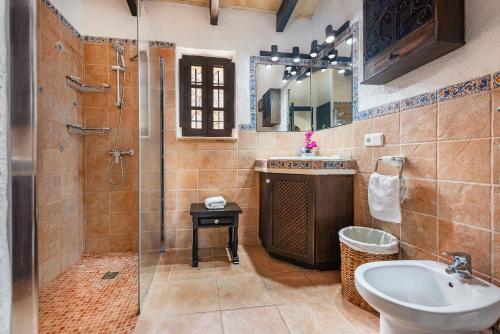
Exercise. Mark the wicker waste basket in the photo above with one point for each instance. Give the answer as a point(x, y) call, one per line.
point(359, 245)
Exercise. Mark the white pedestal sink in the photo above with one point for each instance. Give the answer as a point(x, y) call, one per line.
point(419, 297)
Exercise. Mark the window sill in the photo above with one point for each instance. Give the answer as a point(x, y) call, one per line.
point(226, 139)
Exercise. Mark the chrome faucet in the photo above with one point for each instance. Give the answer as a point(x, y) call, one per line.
point(461, 265)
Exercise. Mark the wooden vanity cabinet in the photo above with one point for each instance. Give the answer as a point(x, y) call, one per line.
point(300, 217)
point(402, 35)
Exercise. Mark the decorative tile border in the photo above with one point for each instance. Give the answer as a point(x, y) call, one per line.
point(96, 39)
point(496, 80)
point(306, 164)
point(161, 44)
point(108, 40)
point(351, 32)
point(473, 86)
point(418, 101)
point(389, 108)
point(61, 18)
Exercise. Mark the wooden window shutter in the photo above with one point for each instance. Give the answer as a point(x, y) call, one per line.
point(229, 70)
point(185, 77)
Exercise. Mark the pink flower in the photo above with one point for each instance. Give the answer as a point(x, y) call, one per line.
point(309, 143)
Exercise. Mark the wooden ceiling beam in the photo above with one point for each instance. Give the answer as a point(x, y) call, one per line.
point(214, 12)
point(132, 5)
point(284, 13)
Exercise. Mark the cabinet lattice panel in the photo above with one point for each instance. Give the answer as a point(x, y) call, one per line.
point(290, 216)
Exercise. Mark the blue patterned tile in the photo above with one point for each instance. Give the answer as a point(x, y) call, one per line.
point(418, 101)
point(161, 44)
point(382, 110)
point(473, 86)
point(496, 80)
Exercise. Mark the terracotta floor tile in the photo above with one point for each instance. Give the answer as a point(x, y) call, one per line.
point(80, 301)
point(262, 320)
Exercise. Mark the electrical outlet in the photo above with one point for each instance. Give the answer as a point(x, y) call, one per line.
point(374, 139)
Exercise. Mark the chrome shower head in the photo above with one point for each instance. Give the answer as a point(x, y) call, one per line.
point(118, 47)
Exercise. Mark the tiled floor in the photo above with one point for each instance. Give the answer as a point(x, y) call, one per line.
point(79, 301)
point(260, 295)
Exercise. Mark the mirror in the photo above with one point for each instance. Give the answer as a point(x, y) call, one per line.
point(317, 97)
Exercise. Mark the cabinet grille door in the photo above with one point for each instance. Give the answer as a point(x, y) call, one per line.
point(290, 217)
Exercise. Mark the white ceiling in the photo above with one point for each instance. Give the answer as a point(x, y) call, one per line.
point(304, 8)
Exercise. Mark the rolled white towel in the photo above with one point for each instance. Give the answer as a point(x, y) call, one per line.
point(217, 202)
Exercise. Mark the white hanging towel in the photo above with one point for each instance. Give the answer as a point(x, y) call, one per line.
point(383, 198)
point(217, 202)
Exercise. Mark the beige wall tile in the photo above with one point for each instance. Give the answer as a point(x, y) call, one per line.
point(419, 231)
point(496, 113)
point(362, 216)
point(187, 179)
point(421, 196)
point(496, 160)
point(465, 118)
point(419, 125)
point(496, 209)
point(187, 159)
point(394, 229)
point(421, 160)
point(389, 126)
point(207, 159)
point(363, 158)
point(496, 256)
point(359, 130)
point(409, 252)
point(97, 223)
point(227, 159)
point(464, 160)
point(464, 203)
point(247, 178)
point(246, 159)
point(247, 140)
point(475, 241)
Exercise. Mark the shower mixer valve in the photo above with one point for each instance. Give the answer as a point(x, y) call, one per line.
point(118, 154)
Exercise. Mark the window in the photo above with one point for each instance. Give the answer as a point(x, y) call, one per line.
point(206, 96)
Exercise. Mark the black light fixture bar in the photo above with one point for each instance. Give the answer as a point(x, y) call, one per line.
point(284, 55)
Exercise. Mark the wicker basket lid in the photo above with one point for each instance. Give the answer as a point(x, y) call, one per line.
point(369, 240)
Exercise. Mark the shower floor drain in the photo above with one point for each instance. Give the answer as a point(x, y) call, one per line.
point(110, 275)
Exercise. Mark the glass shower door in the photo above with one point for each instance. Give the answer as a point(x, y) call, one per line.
point(151, 190)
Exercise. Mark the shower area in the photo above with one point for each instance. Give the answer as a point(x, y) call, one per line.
point(99, 174)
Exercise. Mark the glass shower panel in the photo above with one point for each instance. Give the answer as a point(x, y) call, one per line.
point(151, 107)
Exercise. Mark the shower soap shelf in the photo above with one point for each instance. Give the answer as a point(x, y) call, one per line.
point(78, 130)
point(76, 83)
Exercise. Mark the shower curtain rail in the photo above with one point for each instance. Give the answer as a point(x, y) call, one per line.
point(76, 83)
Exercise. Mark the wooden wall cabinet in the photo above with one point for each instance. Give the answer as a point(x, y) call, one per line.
point(301, 215)
point(402, 35)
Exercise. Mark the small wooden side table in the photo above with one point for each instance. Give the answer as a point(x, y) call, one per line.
point(206, 218)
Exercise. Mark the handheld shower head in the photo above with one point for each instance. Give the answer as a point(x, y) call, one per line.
point(120, 50)
point(118, 47)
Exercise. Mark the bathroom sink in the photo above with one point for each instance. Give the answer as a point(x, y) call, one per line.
point(419, 297)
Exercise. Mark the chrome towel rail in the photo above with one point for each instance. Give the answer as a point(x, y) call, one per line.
point(399, 162)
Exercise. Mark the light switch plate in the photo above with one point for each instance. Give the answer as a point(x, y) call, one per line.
point(374, 139)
